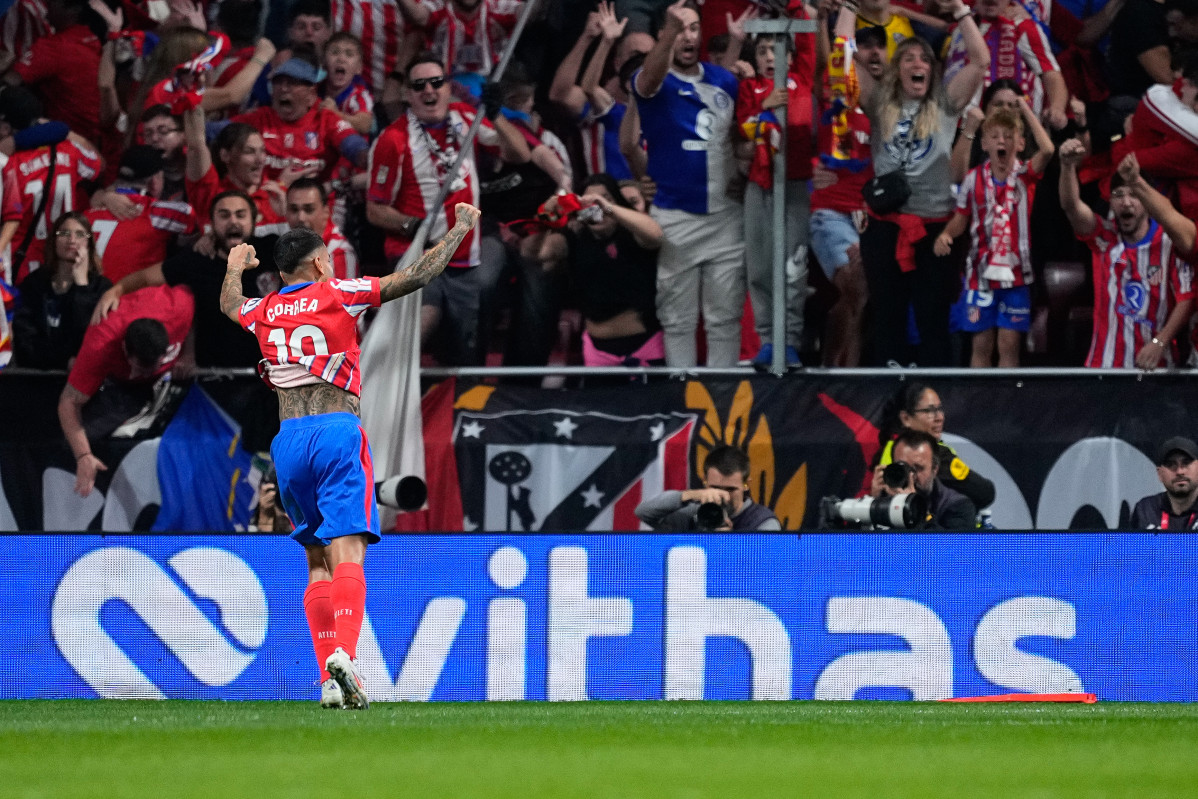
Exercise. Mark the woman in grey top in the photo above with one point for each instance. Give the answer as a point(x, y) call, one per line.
point(914, 117)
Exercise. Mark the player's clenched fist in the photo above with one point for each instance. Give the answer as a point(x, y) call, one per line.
point(243, 256)
point(467, 215)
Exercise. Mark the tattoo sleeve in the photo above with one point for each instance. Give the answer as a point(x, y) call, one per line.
point(231, 297)
point(428, 266)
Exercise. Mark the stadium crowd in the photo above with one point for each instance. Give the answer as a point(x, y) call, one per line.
point(1000, 184)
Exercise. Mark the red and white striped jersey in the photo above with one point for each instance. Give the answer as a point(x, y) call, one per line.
point(380, 25)
point(471, 44)
point(314, 325)
point(408, 163)
point(24, 22)
point(24, 180)
point(1018, 50)
point(998, 225)
point(130, 245)
point(1136, 287)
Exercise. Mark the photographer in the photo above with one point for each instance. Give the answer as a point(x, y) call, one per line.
point(947, 509)
point(610, 252)
point(722, 503)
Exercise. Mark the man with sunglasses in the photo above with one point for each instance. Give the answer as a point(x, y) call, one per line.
point(409, 163)
point(1176, 508)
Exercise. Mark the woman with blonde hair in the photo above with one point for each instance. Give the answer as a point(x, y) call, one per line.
point(57, 300)
point(914, 117)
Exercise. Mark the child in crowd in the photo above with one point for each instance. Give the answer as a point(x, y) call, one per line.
point(995, 201)
point(345, 90)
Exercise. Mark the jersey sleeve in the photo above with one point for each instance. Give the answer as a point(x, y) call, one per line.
point(1101, 238)
point(249, 313)
point(12, 209)
point(176, 218)
point(385, 167)
point(965, 194)
point(87, 162)
point(200, 192)
point(1035, 49)
point(358, 295)
point(1182, 282)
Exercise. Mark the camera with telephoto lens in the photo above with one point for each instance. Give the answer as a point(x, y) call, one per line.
point(900, 512)
point(896, 475)
point(713, 515)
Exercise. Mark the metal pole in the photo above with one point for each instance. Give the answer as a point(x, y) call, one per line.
point(782, 29)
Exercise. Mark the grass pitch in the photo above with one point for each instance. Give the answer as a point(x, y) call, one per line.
point(58, 749)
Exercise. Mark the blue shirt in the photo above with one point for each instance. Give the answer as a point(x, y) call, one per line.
point(688, 125)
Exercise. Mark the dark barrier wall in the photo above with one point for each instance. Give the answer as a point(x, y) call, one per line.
point(636, 616)
point(1064, 452)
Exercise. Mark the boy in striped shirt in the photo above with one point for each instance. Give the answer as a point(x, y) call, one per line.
point(994, 202)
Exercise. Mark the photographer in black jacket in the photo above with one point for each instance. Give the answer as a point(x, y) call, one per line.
point(947, 509)
point(722, 504)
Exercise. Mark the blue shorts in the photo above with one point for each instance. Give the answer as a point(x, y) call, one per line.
point(326, 479)
point(1010, 309)
point(832, 233)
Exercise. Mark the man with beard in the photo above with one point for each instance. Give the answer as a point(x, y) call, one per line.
point(301, 137)
point(308, 207)
point(1143, 291)
point(215, 339)
point(947, 509)
point(687, 113)
point(1176, 508)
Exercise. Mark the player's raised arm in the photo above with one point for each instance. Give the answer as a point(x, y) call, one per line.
point(429, 265)
point(241, 258)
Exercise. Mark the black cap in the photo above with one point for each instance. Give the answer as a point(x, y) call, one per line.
point(139, 162)
point(876, 33)
point(19, 107)
point(1177, 444)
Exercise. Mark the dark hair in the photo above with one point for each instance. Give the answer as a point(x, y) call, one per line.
point(146, 341)
point(94, 267)
point(239, 20)
point(294, 247)
point(232, 138)
point(905, 400)
point(718, 44)
point(998, 86)
point(310, 183)
point(914, 439)
point(344, 36)
point(608, 182)
point(1186, 62)
point(629, 68)
point(161, 110)
point(238, 193)
point(425, 57)
point(310, 8)
point(307, 53)
point(727, 459)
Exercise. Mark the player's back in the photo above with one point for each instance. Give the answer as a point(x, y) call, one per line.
point(130, 245)
point(313, 326)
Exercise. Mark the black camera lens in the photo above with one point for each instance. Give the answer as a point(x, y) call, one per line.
point(710, 516)
point(896, 475)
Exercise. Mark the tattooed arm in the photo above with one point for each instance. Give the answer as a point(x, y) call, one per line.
point(241, 258)
point(429, 265)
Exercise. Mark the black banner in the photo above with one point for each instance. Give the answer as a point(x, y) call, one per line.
point(1064, 452)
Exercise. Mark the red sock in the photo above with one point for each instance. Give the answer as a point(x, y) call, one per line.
point(319, 610)
point(348, 597)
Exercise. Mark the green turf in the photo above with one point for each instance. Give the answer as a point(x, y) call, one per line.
point(58, 749)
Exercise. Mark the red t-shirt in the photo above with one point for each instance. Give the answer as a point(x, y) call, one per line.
point(201, 192)
point(130, 245)
point(64, 69)
point(313, 139)
point(24, 180)
point(103, 352)
point(314, 325)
